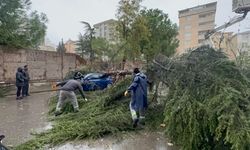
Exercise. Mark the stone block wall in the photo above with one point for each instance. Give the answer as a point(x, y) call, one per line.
point(43, 65)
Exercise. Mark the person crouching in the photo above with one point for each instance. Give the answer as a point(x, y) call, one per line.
point(67, 91)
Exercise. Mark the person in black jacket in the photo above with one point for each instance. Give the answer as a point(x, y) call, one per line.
point(25, 91)
point(19, 82)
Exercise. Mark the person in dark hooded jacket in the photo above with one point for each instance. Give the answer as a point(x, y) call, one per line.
point(139, 102)
point(19, 82)
point(25, 90)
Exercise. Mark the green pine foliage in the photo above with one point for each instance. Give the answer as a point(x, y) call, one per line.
point(208, 105)
point(97, 117)
point(106, 113)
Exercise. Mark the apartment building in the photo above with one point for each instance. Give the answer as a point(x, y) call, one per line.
point(194, 23)
point(106, 30)
point(232, 44)
point(70, 46)
point(243, 41)
point(226, 42)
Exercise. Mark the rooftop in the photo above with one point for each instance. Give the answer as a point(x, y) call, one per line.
point(106, 21)
point(199, 8)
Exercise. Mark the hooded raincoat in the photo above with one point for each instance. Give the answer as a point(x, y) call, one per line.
point(138, 90)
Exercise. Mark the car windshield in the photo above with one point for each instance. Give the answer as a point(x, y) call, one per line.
point(93, 76)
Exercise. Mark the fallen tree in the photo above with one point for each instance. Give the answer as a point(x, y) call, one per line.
point(207, 107)
point(106, 113)
point(208, 104)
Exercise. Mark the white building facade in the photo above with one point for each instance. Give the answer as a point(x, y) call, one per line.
point(106, 30)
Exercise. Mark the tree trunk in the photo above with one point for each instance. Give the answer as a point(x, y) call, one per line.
point(155, 96)
point(123, 63)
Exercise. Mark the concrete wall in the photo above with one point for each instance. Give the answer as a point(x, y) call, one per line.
point(43, 65)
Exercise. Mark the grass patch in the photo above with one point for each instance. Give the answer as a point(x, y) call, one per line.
point(4, 90)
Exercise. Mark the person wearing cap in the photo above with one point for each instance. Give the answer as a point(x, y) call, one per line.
point(78, 75)
point(25, 91)
point(138, 103)
point(19, 82)
point(67, 91)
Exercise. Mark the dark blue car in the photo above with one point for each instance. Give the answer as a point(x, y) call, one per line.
point(96, 81)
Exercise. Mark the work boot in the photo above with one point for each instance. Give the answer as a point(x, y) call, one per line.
point(57, 113)
point(135, 123)
point(142, 121)
point(19, 98)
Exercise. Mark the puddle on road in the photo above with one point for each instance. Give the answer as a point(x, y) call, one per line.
point(20, 118)
point(138, 141)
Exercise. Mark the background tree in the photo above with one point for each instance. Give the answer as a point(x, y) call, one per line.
point(37, 29)
point(18, 28)
point(101, 47)
point(86, 40)
point(139, 38)
point(61, 48)
point(82, 45)
point(163, 34)
point(127, 13)
point(159, 38)
point(242, 60)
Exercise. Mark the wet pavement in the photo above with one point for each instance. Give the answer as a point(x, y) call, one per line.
point(19, 118)
point(136, 141)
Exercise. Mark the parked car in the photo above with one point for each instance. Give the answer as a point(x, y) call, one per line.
point(96, 81)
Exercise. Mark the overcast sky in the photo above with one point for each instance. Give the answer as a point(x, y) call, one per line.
point(65, 15)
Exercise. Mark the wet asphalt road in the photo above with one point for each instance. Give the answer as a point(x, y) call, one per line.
point(18, 118)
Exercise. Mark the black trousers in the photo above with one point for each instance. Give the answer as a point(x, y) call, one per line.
point(18, 92)
point(25, 91)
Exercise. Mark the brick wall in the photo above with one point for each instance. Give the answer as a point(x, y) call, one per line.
point(43, 65)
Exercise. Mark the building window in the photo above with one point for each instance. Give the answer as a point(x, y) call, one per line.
point(206, 15)
point(187, 27)
point(244, 45)
point(201, 41)
point(188, 18)
point(202, 32)
point(206, 23)
point(187, 35)
point(187, 43)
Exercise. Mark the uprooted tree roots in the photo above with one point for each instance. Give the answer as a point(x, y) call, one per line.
point(208, 104)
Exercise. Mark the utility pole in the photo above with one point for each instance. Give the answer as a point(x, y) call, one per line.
point(62, 65)
point(62, 53)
